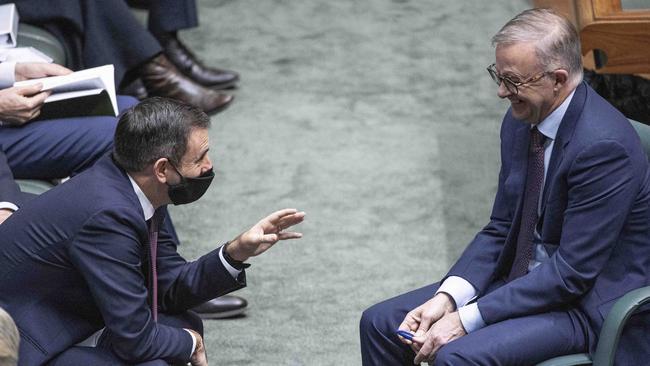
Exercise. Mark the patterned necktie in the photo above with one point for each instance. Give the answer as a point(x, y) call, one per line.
point(529, 215)
point(154, 223)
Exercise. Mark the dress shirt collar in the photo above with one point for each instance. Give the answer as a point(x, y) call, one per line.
point(147, 207)
point(549, 126)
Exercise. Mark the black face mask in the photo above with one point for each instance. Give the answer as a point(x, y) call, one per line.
point(189, 189)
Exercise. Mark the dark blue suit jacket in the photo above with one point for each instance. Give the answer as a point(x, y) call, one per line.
point(75, 259)
point(595, 220)
point(9, 190)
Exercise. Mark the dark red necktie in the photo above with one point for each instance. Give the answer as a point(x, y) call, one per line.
point(154, 223)
point(529, 215)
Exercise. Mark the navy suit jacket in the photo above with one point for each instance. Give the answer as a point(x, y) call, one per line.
point(595, 220)
point(75, 259)
point(9, 190)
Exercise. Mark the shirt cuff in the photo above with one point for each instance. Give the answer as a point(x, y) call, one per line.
point(234, 272)
point(459, 289)
point(193, 342)
point(7, 74)
point(8, 206)
point(471, 317)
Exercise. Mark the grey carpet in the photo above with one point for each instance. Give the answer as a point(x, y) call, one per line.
point(375, 117)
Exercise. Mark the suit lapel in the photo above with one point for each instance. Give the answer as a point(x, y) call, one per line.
point(519, 166)
point(564, 134)
point(520, 160)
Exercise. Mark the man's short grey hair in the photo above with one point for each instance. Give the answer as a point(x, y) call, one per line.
point(156, 128)
point(556, 40)
point(9, 340)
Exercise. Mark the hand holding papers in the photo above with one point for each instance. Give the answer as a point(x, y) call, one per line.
point(87, 92)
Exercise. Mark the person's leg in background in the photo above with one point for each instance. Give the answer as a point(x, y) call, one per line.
point(166, 18)
point(100, 32)
point(58, 148)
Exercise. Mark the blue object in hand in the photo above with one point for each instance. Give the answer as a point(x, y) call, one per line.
point(405, 334)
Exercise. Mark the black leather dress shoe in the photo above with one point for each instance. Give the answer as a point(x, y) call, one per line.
point(161, 78)
point(226, 306)
point(193, 68)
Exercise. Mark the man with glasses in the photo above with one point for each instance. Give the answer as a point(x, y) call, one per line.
point(567, 237)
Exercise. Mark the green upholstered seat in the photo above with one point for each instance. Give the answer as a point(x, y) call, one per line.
point(31, 36)
point(34, 186)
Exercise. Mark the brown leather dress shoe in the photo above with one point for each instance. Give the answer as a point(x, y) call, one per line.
point(226, 306)
point(161, 78)
point(193, 68)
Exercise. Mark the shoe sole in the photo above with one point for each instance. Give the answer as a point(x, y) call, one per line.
point(222, 315)
point(224, 86)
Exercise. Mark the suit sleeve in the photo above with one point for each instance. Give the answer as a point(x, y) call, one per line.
point(107, 252)
point(478, 263)
point(602, 188)
point(9, 190)
point(183, 285)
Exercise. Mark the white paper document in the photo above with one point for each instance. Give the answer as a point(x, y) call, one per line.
point(80, 84)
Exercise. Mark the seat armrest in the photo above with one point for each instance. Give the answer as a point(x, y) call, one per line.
point(615, 322)
point(31, 36)
point(570, 360)
point(34, 186)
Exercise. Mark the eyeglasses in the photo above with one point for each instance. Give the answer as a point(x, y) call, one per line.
point(513, 86)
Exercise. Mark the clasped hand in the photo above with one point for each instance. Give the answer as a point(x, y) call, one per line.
point(434, 323)
point(265, 234)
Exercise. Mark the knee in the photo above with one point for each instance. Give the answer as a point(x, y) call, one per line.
point(125, 102)
point(96, 137)
point(372, 321)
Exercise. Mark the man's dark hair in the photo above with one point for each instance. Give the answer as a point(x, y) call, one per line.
point(155, 128)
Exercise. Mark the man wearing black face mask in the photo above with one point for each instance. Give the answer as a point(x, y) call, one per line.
point(89, 270)
point(190, 189)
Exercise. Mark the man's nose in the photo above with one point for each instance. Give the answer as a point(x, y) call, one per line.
point(207, 164)
point(502, 91)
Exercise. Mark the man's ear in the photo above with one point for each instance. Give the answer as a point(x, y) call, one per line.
point(561, 78)
point(160, 168)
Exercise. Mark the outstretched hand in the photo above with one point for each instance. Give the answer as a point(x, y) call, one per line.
point(265, 234)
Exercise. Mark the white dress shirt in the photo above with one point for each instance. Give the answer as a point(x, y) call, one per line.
point(459, 288)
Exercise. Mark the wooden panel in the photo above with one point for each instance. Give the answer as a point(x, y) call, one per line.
point(604, 7)
point(626, 44)
point(623, 35)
